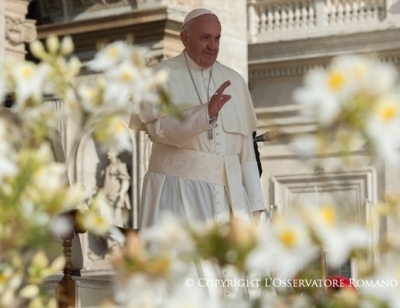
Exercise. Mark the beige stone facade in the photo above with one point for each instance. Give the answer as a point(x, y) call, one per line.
point(15, 28)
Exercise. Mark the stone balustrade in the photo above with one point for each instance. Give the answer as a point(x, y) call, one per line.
point(276, 20)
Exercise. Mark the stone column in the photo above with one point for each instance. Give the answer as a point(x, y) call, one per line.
point(2, 29)
point(15, 29)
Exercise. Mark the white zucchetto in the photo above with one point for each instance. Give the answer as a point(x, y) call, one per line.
point(196, 13)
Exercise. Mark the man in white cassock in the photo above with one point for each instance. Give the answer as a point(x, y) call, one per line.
point(202, 169)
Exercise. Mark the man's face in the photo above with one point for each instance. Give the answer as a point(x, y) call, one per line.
point(202, 40)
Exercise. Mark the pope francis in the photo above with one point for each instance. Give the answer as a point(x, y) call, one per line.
point(202, 169)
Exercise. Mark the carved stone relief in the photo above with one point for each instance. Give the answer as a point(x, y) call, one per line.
point(94, 5)
point(19, 31)
point(113, 173)
point(16, 29)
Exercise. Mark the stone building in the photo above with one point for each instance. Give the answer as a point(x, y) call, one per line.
point(271, 43)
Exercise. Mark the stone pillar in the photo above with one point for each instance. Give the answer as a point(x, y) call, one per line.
point(2, 29)
point(15, 29)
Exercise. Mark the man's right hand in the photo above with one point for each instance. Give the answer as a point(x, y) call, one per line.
point(218, 100)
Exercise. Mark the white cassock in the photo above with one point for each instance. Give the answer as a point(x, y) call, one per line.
point(201, 180)
point(196, 178)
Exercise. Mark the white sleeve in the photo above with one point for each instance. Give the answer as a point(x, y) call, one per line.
point(170, 130)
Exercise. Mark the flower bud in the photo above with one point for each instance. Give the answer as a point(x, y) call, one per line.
point(29, 291)
point(52, 44)
point(37, 49)
point(67, 46)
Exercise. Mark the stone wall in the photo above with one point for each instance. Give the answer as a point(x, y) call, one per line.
point(16, 29)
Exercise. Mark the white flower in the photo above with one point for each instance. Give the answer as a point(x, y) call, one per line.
point(151, 82)
point(67, 46)
point(284, 248)
point(305, 145)
point(365, 74)
point(114, 134)
point(61, 226)
point(318, 104)
point(383, 127)
point(7, 298)
point(8, 166)
point(52, 44)
point(109, 56)
point(37, 49)
point(51, 178)
point(31, 213)
point(89, 97)
point(29, 80)
point(384, 286)
point(138, 56)
point(349, 74)
point(99, 217)
point(382, 78)
point(121, 84)
point(334, 80)
point(169, 235)
point(338, 240)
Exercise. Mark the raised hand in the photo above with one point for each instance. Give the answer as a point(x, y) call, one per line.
point(218, 100)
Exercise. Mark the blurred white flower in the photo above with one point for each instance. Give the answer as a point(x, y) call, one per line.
point(67, 46)
point(384, 285)
point(99, 217)
point(89, 97)
point(122, 81)
point(52, 44)
point(284, 248)
point(29, 291)
point(61, 226)
point(317, 103)
point(7, 298)
point(8, 167)
point(368, 74)
point(355, 96)
point(113, 133)
point(138, 56)
point(37, 49)
point(338, 239)
point(31, 213)
point(51, 178)
point(29, 79)
point(110, 56)
point(150, 83)
point(10, 280)
point(170, 235)
point(383, 126)
point(305, 145)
